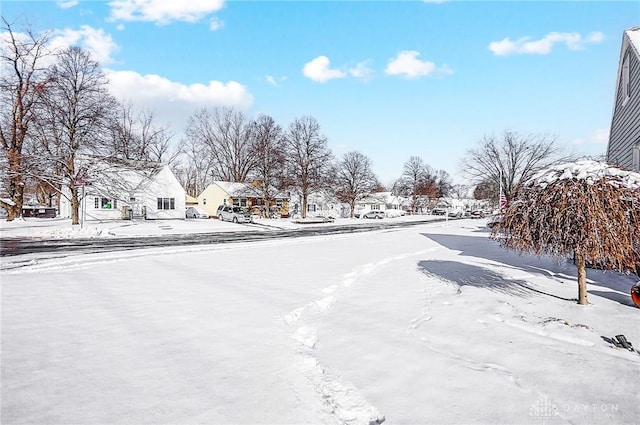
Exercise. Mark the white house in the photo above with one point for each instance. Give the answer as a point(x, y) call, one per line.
point(382, 201)
point(123, 189)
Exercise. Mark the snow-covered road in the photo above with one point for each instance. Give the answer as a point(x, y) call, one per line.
point(429, 324)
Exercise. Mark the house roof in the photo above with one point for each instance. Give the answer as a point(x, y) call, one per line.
point(237, 189)
point(634, 38)
point(631, 37)
point(107, 174)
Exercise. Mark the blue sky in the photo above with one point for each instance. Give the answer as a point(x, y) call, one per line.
point(390, 79)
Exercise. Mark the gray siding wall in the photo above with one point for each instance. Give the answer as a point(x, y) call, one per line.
point(625, 125)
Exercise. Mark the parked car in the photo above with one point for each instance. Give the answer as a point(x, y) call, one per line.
point(374, 214)
point(455, 214)
point(477, 214)
point(234, 214)
point(439, 211)
point(195, 212)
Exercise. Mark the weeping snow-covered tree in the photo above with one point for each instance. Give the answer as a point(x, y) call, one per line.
point(586, 209)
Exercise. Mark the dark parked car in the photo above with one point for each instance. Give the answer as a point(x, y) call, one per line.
point(477, 214)
point(439, 211)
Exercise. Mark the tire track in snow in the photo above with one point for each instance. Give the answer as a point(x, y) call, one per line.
point(342, 398)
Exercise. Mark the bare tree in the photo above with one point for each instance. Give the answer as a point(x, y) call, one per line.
point(486, 189)
point(137, 136)
point(421, 183)
point(513, 158)
point(74, 119)
point(586, 209)
point(193, 168)
point(268, 149)
point(355, 179)
point(308, 158)
point(460, 191)
point(22, 79)
point(226, 133)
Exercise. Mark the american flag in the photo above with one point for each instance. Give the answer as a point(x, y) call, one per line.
point(503, 202)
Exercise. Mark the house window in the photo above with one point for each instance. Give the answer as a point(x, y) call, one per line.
point(625, 79)
point(279, 203)
point(311, 207)
point(636, 157)
point(375, 206)
point(241, 202)
point(166, 203)
point(105, 203)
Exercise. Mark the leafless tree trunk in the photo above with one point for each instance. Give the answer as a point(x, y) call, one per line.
point(582, 279)
point(513, 158)
point(75, 118)
point(308, 158)
point(268, 149)
point(226, 134)
point(355, 179)
point(22, 79)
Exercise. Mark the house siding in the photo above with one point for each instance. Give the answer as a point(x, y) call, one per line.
point(211, 197)
point(625, 123)
point(146, 192)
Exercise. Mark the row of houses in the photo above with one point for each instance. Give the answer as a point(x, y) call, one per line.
point(120, 189)
point(124, 189)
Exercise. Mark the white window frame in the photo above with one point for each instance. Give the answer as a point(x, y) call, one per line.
point(100, 203)
point(636, 157)
point(166, 204)
point(625, 79)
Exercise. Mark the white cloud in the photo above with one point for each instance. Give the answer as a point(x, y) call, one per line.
point(215, 24)
point(175, 102)
point(408, 65)
point(319, 71)
point(274, 81)
point(66, 4)
point(543, 46)
point(124, 84)
point(163, 11)
point(95, 41)
point(597, 137)
point(271, 80)
point(361, 71)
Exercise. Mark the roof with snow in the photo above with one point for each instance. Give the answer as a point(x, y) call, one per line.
point(634, 37)
point(587, 171)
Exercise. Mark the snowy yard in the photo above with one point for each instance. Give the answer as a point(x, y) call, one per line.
point(432, 324)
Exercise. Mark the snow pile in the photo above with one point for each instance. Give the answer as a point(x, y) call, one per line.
point(588, 171)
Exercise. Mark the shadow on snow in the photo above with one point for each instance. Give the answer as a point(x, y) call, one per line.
point(562, 270)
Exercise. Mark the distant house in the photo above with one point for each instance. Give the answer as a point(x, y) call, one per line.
point(240, 194)
point(382, 201)
point(125, 189)
point(191, 201)
point(624, 136)
point(319, 204)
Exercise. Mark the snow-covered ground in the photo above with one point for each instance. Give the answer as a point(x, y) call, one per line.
point(430, 324)
point(62, 228)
